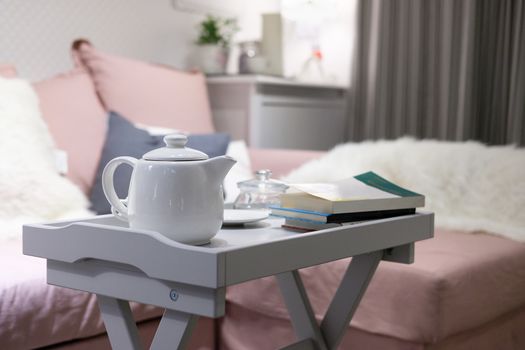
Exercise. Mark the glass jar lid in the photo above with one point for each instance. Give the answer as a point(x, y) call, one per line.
point(262, 183)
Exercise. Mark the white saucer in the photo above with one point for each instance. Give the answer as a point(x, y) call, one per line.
point(239, 217)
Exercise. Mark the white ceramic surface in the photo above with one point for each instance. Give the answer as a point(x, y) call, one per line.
point(182, 200)
point(211, 59)
point(239, 217)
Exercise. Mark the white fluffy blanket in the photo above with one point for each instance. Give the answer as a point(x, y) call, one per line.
point(31, 189)
point(468, 185)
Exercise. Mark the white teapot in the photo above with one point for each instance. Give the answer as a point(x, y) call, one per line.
point(174, 190)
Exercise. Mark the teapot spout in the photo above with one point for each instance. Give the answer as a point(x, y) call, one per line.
point(218, 167)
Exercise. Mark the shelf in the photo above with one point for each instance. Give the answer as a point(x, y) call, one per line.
point(269, 80)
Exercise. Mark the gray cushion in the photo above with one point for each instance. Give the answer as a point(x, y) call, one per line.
point(124, 139)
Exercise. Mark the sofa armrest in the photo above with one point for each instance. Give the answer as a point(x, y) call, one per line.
point(280, 161)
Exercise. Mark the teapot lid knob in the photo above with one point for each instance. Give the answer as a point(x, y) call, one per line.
point(175, 140)
point(175, 150)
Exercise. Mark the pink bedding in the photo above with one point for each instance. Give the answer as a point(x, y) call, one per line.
point(203, 337)
point(237, 331)
point(34, 314)
point(459, 281)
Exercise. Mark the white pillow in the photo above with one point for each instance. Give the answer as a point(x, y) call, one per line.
point(157, 130)
point(31, 188)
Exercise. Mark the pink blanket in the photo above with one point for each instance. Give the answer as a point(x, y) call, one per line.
point(34, 314)
point(459, 281)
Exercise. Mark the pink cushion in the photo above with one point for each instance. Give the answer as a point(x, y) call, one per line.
point(76, 120)
point(459, 281)
point(7, 71)
point(147, 93)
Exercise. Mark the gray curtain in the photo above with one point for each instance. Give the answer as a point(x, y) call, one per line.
point(443, 69)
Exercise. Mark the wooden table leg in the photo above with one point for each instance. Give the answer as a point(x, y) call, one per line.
point(118, 319)
point(174, 330)
point(347, 297)
point(301, 314)
point(344, 303)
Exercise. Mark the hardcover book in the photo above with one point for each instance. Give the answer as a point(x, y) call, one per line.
point(366, 192)
point(318, 217)
point(307, 225)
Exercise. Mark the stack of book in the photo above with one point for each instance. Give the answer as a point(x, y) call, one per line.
point(367, 196)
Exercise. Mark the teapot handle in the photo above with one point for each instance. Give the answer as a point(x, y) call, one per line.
point(107, 184)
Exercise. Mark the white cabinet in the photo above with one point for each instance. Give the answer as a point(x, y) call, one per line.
point(270, 112)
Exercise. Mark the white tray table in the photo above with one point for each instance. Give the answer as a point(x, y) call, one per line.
point(102, 255)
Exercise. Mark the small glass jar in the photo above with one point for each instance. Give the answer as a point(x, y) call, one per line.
point(250, 59)
point(259, 193)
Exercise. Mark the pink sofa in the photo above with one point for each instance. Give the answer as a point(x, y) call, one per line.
point(34, 314)
point(465, 291)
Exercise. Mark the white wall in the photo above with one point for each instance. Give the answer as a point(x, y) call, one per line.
point(36, 35)
point(248, 14)
point(331, 22)
point(336, 36)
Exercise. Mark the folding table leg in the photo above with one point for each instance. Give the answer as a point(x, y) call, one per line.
point(121, 328)
point(341, 309)
point(174, 330)
point(301, 314)
point(347, 297)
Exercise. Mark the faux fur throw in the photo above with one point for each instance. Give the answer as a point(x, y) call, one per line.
point(469, 186)
point(31, 189)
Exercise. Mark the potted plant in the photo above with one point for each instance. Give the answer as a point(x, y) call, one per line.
point(213, 43)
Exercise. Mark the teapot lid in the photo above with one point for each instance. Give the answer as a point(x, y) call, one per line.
point(175, 150)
